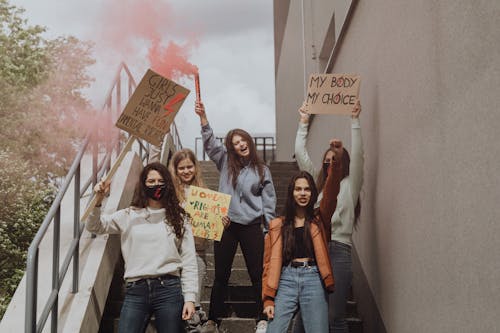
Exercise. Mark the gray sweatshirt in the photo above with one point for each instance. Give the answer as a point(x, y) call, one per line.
point(245, 206)
point(149, 246)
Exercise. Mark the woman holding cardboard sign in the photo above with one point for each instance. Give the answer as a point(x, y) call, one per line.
point(186, 171)
point(253, 201)
point(158, 249)
point(346, 214)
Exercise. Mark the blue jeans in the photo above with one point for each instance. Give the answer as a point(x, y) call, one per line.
point(300, 287)
point(160, 296)
point(340, 257)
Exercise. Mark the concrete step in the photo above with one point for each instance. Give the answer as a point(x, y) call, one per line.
point(355, 325)
point(237, 325)
point(352, 308)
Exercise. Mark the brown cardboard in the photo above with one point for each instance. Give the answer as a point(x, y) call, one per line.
point(206, 208)
point(332, 93)
point(152, 108)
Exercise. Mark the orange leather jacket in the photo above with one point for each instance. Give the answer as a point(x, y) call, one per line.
point(273, 245)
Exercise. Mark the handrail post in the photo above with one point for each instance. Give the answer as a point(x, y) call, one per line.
point(76, 230)
point(31, 290)
point(109, 146)
point(118, 109)
point(95, 152)
point(55, 268)
point(265, 160)
point(274, 149)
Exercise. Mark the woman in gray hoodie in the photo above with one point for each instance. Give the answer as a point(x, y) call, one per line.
point(245, 177)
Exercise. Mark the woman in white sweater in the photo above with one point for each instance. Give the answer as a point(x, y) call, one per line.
point(158, 249)
point(345, 215)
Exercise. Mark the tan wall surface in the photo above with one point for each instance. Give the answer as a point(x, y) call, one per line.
point(289, 83)
point(429, 234)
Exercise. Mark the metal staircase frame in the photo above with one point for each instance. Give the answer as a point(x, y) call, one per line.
point(102, 155)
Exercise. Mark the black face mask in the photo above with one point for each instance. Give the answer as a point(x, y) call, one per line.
point(155, 192)
point(326, 165)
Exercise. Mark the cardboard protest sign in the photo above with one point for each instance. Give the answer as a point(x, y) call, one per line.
point(207, 208)
point(332, 93)
point(152, 107)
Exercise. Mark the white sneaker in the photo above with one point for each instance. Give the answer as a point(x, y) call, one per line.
point(261, 326)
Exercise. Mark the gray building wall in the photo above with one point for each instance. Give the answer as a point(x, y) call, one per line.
point(428, 240)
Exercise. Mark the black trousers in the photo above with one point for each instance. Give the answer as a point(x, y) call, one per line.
point(251, 240)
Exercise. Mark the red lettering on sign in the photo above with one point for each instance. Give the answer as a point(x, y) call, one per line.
point(176, 99)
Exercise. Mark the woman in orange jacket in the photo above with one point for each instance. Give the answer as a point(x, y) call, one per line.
point(297, 271)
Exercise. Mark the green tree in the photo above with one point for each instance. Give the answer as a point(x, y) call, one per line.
point(42, 107)
point(25, 198)
point(41, 114)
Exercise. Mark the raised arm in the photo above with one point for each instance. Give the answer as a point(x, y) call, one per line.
point(332, 187)
point(357, 159)
point(301, 155)
point(213, 147)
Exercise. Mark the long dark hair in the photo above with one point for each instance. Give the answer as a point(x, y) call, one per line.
point(235, 162)
point(346, 162)
point(197, 179)
point(174, 213)
point(287, 229)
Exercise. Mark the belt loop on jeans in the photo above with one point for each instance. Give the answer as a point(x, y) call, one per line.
point(308, 263)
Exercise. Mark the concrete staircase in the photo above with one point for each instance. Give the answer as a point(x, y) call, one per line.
point(240, 308)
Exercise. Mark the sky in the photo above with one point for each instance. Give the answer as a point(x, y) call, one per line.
point(231, 43)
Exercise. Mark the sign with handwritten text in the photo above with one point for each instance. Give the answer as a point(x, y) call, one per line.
point(152, 107)
point(207, 208)
point(332, 93)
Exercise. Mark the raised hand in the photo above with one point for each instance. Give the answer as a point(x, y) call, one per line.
point(199, 109)
point(338, 149)
point(101, 189)
point(304, 115)
point(356, 110)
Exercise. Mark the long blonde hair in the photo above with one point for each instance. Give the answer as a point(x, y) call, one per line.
point(179, 185)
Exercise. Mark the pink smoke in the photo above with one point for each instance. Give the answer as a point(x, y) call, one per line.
point(129, 24)
point(171, 61)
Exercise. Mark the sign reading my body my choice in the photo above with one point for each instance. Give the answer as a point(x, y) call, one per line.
point(152, 108)
point(332, 93)
point(207, 208)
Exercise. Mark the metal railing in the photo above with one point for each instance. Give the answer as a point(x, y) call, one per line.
point(265, 145)
point(102, 156)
